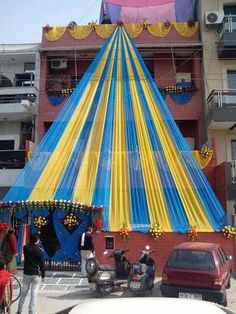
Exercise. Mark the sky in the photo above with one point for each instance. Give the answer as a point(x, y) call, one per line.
point(21, 21)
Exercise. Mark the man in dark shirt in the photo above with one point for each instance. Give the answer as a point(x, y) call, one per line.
point(34, 272)
point(86, 247)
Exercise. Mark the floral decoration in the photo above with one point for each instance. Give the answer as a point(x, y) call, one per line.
point(145, 24)
point(124, 233)
point(72, 24)
point(40, 222)
point(191, 23)
point(47, 28)
point(192, 233)
point(93, 25)
point(178, 89)
point(205, 152)
point(3, 227)
point(229, 231)
point(70, 221)
point(166, 24)
point(156, 231)
point(120, 23)
point(97, 224)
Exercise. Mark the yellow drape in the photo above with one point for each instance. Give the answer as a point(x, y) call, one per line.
point(119, 197)
point(134, 29)
point(159, 29)
point(202, 161)
point(55, 33)
point(104, 31)
point(185, 30)
point(80, 32)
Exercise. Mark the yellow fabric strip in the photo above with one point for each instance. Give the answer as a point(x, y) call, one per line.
point(84, 187)
point(53, 172)
point(191, 203)
point(158, 210)
point(202, 160)
point(159, 29)
point(105, 30)
point(119, 197)
point(55, 33)
point(80, 32)
point(185, 30)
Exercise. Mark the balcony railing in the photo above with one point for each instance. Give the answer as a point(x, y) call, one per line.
point(233, 171)
point(222, 98)
point(12, 159)
point(228, 25)
point(10, 99)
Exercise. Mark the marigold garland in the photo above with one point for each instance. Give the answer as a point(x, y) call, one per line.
point(205, 152)
point(156, 231)
point(124, 233)
point(229, 231)
point(192, 233)
point(40, 221)
point(70, 221)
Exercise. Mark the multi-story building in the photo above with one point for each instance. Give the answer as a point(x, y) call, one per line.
point(19, 80)
point(219, 60)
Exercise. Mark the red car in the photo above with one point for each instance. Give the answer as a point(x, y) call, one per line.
point(198, 271)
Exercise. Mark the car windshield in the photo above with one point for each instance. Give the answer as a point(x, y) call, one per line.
point(191, 259)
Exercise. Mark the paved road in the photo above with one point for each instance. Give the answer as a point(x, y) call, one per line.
point(63, 290)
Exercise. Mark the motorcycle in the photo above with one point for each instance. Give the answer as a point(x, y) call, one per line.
point(104, 279)
point(142, 275)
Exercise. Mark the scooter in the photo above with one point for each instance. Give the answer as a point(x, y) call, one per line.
point(142, 275)
point(104, 279)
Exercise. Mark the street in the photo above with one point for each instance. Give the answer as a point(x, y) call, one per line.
point(62, 290)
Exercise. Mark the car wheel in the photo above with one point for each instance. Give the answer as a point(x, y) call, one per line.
point(224, 301)
point(229, 283)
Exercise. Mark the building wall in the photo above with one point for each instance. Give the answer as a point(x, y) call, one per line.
point(10, 131)
point(162, 246)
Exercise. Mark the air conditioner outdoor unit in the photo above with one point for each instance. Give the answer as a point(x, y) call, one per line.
point(183, 77)
point(214, 17)
point(59, 64)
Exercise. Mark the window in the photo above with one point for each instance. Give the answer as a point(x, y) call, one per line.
point(231, 76)
point(230, 9)
point(7, 144)
point(109, 243)
point(29, 67)
point(222, 254)
point(233, 149)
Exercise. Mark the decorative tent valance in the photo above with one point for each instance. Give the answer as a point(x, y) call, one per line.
point(135, 29)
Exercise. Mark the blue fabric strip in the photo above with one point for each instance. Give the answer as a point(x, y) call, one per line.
point(101, 195)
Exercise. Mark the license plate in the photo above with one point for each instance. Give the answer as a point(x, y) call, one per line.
point(135, 285)
point(92, 286)
point(185, 295)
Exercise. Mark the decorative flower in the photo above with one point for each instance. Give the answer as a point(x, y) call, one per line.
point(205, 152)
point(156, 231)
point(40, 221)
point(229, 231)
point(93, 25)
point(192, 233)
point(3, 227)
point(124, 233)
point(97, 224)
point(120, 23)
point(72, 24)
point(47, 28)
point(145, 24)
point(167, 24)
point(191, 23)
point(70, 221)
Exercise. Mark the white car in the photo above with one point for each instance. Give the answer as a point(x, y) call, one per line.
point(151, 304)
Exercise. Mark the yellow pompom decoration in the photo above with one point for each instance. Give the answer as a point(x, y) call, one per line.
point(40, 222)
point(229, 231)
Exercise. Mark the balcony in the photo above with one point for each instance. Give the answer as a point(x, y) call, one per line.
point(11, 98)
point(222, 109)
point(226, 45)
point(12, 159)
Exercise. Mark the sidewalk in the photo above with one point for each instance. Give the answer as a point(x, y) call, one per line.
point(62, 290)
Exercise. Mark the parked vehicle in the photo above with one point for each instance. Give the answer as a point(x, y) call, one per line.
point(109, 277)
point(157, 305)
point(197, 270)
point(142, 275)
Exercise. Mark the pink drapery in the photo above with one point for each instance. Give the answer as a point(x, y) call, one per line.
point(154, 14)
point(140, 3)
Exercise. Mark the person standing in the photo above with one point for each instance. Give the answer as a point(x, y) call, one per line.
point(9, 249)
point(5, 286)
point(34, 273)
point(86, 247)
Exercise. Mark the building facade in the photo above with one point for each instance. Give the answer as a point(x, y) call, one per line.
point(19, 81)
point(218, 33)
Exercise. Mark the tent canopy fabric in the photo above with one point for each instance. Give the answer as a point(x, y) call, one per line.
point(132, 11)
point(116, 144)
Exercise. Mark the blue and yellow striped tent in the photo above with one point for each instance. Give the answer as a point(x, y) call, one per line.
point(116, 144)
